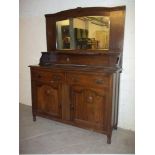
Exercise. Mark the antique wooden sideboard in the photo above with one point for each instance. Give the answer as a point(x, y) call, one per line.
point(74, 82)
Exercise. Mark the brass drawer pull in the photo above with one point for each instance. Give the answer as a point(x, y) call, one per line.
point(56, 78)
point(99, 81)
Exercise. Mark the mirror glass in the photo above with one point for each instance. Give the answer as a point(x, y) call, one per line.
point(88, 32)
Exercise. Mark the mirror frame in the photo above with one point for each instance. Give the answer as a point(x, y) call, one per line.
point(117, 20)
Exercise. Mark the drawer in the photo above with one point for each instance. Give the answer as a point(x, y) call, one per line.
point(47, 76)
point(88, 80)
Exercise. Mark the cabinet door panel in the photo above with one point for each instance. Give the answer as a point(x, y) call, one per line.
point(89, 107)
point(48, 99)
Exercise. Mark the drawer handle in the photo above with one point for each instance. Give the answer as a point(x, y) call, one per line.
point(56, 78)
point(99, 81)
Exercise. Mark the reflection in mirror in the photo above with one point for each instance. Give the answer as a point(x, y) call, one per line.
point(89, 32)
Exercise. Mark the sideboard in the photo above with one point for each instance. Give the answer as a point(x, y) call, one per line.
point(80, 86)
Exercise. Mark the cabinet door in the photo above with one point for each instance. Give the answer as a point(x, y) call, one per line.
point(49, 99)
point(88, 107)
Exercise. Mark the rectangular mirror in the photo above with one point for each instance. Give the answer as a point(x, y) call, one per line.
point(88, 32)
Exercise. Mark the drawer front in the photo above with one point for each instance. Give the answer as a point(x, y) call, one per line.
point(88, 80)
point(47, 76)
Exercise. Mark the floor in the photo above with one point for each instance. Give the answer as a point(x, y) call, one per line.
point(47, 137)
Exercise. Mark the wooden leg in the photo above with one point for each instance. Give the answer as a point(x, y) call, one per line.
point(108, 139)
point(34, 118)
point(34, 115)
point(115, 127)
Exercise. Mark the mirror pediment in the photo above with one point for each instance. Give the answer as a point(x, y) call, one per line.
point(94, 29)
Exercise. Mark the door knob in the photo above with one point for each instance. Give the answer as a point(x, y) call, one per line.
point(48, 92)
point(89, 99)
